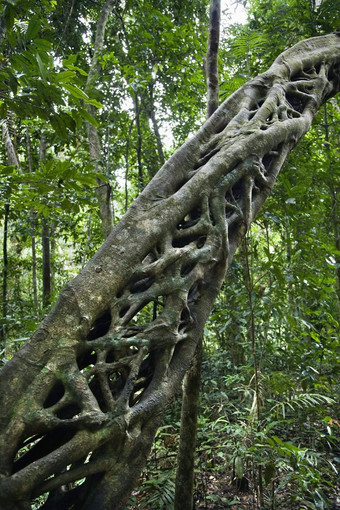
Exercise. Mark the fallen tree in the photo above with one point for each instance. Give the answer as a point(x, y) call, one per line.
point(81, 402)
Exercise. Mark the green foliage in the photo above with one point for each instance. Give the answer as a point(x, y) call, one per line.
point(159, 493)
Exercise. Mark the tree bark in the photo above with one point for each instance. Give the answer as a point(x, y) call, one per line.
point(104, 193)
point(12, 159)
point(46, 262)
point(212, 57)
point(127, 165)
point(82, 400)
point(185, 472)
point(4, 278)
point(45, 241)
point(33, 229)
point(150, 108)
point(139, 142)
point(335, 206)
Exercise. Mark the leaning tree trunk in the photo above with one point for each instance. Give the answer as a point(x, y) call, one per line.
point(81, 402)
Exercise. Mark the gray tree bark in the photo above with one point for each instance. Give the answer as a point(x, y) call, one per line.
point(212, 57)
point(82, 400)
point(103, 191)
point(12, 159)
point(33, 229)
point(185, 472)
point(4, 278)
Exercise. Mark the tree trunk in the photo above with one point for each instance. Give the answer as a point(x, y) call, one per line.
point(150, 108)
point(127, 165)
point(103, 191)
point(335, 207)
point(34, 272)
point(33, 229)
point(185, 472)
point(46, 262)
point(4, 278)
point(12, 159)
point(139, 143)
point(45, 240)
point(81, 402)
point(212, 56)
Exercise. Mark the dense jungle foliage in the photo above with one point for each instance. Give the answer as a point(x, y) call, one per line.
point(269, 421)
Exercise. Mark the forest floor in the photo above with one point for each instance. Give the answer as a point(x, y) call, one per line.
point(216, 490)
point(217, 493)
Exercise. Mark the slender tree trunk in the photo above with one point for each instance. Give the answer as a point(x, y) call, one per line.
point(81, 402)
point(45, 241)
point(152, 116)
point(335, 205)
point(139, 143)
point(251, 335)
point(104, 191)
point(12, 159)
point(160, 151)
point(46, 262)
point(33, 227)
point(127, 165)
point(88, 239)
point(34, 272)
point(212, 56)
point(185, 473)
point(4, 277)
point(52, 256)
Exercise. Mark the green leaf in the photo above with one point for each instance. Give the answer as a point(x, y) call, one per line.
point(43, 44)
point(88, 117)
point(41, 67)
point(33, 28)
point(76, 91)
point(3, 110)
point(308, 504)
point(71, 59)
point(75, 68)
point(95, 103)
point(239, 468)
point(67, 120)
point(64, 76)
point(9, 14)
point(13, 83)
point(269, 472)
point(58, 126)
point(7, 169)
